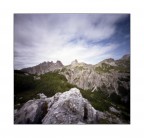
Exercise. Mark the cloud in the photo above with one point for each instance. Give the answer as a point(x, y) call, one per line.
point(51, 37)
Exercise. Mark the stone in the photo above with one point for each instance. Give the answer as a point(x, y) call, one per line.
point(43, 68)
point(70, 108)
point(31, 112)
point(112, 109)
point(42, 96)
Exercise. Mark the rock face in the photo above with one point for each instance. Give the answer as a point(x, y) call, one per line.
point(74, 63)
point(44, 67)
point(63, 108)
point(110, 75)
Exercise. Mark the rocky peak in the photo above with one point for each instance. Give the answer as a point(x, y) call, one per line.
point(44, 67)
point(59, 63)
point(126, 57)
point(109, 60)
point(75, 62)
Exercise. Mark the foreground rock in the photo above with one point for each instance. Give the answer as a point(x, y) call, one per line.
point(69, 108)
point(32, 112)
point(63, 108)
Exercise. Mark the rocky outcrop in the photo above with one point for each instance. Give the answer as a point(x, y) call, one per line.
point(63, 108)
point(70, 108)
point(44, 67)
point(74, 63)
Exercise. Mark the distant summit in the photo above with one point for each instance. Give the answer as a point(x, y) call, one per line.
point(74, 62)
point(44, 67)
point(126, 57)
point(59, 63)
point(109, 60)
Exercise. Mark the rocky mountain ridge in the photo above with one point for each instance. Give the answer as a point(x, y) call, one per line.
point(109, 75)
point(44, 67)
point(51, 66)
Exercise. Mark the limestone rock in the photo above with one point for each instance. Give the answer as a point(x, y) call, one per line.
point(70, 108)
point(44, 67)
point(63, 108)
point(31, 112)
point(109, 75)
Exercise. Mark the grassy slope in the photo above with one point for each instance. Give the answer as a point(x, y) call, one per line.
point(26, 88)
point(106, 68)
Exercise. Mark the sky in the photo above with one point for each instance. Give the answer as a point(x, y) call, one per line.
point(89, 38)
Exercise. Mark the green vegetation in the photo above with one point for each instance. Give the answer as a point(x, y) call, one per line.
point(52, 82)
point(26, 88)
point(106, 68)
point(98, 99)
point(23, 82)
point(80, 67)
point(103, 69)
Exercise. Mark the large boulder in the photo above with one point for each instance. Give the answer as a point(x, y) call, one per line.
point(70, 108)
point(63, 108)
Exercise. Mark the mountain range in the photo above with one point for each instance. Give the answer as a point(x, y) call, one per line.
point(109, 75)
point(44, 67)
point(105, 85)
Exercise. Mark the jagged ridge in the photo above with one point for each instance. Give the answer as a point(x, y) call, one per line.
point(44, 67)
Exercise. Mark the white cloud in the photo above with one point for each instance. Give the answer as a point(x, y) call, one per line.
point(48, 38)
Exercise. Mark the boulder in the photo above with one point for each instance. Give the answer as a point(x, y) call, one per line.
point(70, 108)
point(31, 112)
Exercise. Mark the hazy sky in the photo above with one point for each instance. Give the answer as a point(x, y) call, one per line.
point(88, 38)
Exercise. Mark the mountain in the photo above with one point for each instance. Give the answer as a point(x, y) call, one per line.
point(109, 75)
point(44, 67)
